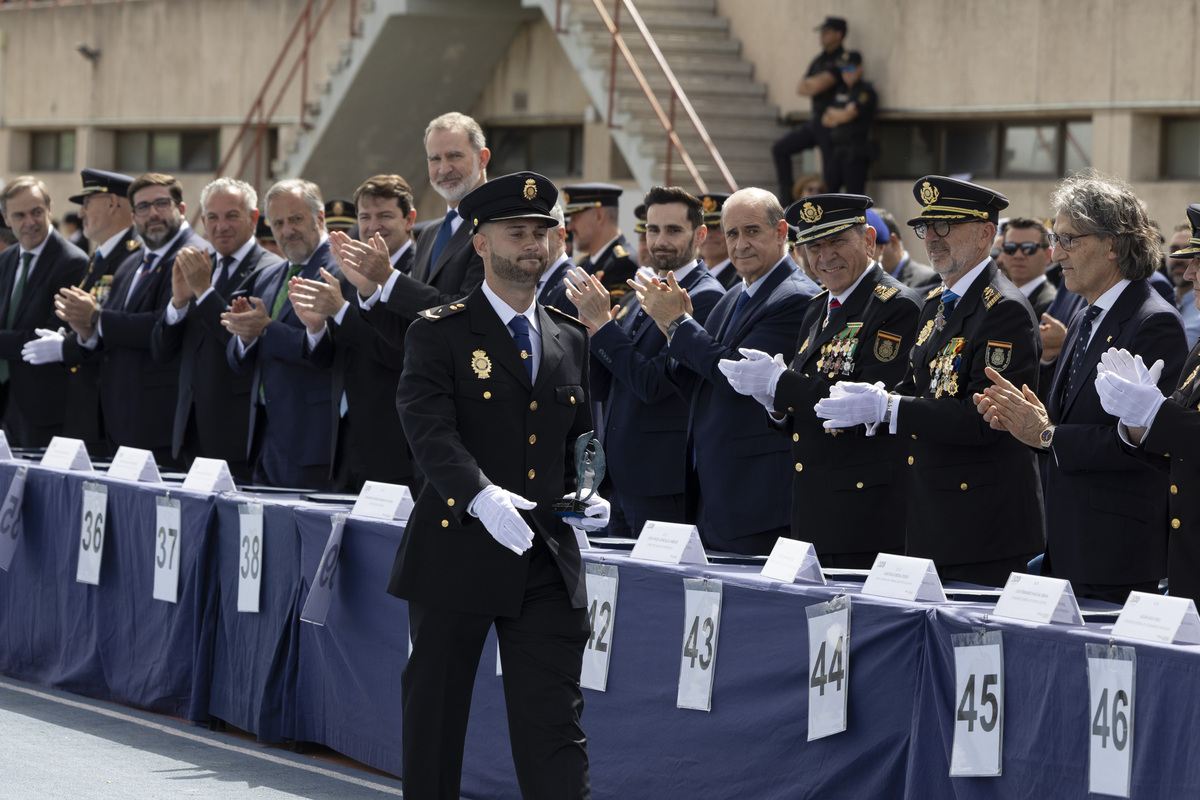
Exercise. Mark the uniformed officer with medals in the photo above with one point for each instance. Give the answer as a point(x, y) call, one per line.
point(591, 210)
point(847, 490)
point(974, 499)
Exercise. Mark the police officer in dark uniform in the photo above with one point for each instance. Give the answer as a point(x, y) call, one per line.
point(974, 499)
point(714, 250)
point(591, 210)
point(494, 396)
point(848, 500)
point(849, 119)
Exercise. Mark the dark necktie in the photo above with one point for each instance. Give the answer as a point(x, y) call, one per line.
point(520, 333)
point(443, 238)
point(743, 298)
point(834, 305)
point(147, 265)
point(1081, 342)
point(226, 277)
point(282, 295)
point(19, 289)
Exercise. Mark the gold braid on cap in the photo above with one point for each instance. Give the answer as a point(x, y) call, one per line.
point(959, 212)
point(825, 229)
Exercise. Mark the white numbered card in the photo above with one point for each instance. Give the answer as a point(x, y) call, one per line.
point(602, 613)
point(1038, 598)
point(979, 704)
point(1112, 676)
point(791, 559)
point(828, 666)
point(320, 591)
point(10, 517)
point(91, 532)
point(134, 464)
point(701, 627)
point(904, 578)
point(64, 453)
point(168, 542)
point(250, 556)
point(209, 475)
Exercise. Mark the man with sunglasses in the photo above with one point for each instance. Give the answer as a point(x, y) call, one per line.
point(974, 503)
point(1026, 250)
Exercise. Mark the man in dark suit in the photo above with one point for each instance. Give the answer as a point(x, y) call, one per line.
point(551, 289)
point(974, 503)
point(1106, 513)
point(32, 397)
point(848, 500)
point(645, 417)
point(1026, 249)
point(290, 408)
point(369, 441)
point(742, 467)
point(118, 332)
point(493, 411)
point(592, 210)
point(713, 251)
point(212, 414)
point(897, 261)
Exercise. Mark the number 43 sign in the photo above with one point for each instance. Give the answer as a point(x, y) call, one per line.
point(701, 626)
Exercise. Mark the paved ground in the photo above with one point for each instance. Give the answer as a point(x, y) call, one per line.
point(58, 745)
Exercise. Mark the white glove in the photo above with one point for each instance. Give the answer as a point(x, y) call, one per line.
point(595, 515)
point(756, 375)
point(1129, 367)
point(46, 350)
point(851, 404)
point(497, 510)
point(1134, 404)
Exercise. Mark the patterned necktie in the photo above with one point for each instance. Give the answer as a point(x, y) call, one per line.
point(223, 282)
point(282, 295)
point(443, 238)
point(743, 298)
point(1081, 342)
point(834, 305)
point(147, 265)
point(520, 333)
point(19, 289)
point(91, 270)
point(945, 308)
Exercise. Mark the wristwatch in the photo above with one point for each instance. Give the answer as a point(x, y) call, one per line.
point(1047, 437)
point(674, 324)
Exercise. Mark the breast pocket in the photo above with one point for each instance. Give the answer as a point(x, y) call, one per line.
point(569, 395)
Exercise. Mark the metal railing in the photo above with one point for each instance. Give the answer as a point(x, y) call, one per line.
point(678, 96)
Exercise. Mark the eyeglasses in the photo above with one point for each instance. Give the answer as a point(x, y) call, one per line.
point(1067, 240)
point(161, 204)
point(1026, 248)
point(941, 227)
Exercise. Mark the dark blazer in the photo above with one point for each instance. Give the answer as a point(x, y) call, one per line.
point(1106, 513)
point(849, 497)
point(1041, 299)
point(614, 266)
point(1173, 444)
point(973, 492)
point(218, 397)
point(916, 275)
point(1065, 305)
point(645, 417)
point(743, 467)
point(554, 293)
point(137, 393)
point(473, 419)
point(83, 376)
point(296, 394)
point(366, 367)
point(39, 393)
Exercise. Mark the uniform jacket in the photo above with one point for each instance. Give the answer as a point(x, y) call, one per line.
point(1106, 513)
point(614, 266)
point(473, 419)
point(554, 293)
point(973, 492)
point(848, 489)
point(742, 466)
point(918, 276)
point(1041, 298)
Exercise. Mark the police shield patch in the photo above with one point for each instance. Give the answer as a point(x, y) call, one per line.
point(999, 355)
point(887, 345)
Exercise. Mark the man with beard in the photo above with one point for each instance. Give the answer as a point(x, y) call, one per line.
point(290, 398)
point(32, 398)
point(212, 416)
point(446, 266)
point(137, 394)
point(494, 396)
point(645, 417)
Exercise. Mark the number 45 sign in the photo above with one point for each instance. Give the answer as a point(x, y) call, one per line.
point(979, 709)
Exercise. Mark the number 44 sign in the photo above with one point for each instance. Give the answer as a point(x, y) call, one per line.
point(979, 712)
point(828, 666)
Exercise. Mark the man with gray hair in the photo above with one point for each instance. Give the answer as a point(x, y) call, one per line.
point(551, 291)
point(212, 414)
point(1106, 513)
point(290, 438)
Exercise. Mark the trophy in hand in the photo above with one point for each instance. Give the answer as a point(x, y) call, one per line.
point(589, 472)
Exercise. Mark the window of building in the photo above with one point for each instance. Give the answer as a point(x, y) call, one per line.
point(555, 150)
point(52, 151)
point(1181, 147)
point(166, 151)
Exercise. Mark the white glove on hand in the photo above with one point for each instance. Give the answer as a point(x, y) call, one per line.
point(1129, 367)
point(851, 404)
point(497, 510)
point(46, 350)
point(1134, 404)
point(595, 515)
point(756, 376)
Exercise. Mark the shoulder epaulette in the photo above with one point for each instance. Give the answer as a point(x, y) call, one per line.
point(990, 297)
point(439, 312)
point(620, 251)
point(885, 293)
point(934, 292)
point(820, 293)
point(132, 244)
point(564, 315)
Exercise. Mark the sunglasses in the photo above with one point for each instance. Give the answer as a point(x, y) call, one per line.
point(1027, 248)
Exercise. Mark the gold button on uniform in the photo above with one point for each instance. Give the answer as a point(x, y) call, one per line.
point(799, 468)
point(910, 460)
point(572, 399)
point(487, 395)
point(795, 437)
point(533, 438)
point(963, 487)
point(450, 502)
point(532, 474)
point(914, 437)
point(859, 484)
point(1174, 489)
point(445, 523)
point(1175, 524)
point(533, 406)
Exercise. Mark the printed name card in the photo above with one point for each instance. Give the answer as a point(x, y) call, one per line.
point(1155, 618)
point(669, 543)
point(386, 501)
point(791, 559)
point(209, 475)
point(64, 453)
point(134, 464)
point(5, 450)
point(904, 578)
point(1037, 598)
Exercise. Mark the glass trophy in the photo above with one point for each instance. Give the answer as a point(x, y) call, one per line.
point(589, 472)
